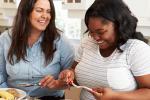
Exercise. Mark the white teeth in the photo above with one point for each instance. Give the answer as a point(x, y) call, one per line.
point(42, 21)
point(100, 42)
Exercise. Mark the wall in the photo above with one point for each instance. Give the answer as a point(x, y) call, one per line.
point(141, 9)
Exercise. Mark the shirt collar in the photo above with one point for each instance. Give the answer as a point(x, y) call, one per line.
point(40, 38)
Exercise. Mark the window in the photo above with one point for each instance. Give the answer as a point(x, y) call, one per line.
point(70, 26)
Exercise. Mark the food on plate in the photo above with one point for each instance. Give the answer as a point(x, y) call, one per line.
point(6, 95)
point(9, 94)
point(14, 92)
point(2, 99)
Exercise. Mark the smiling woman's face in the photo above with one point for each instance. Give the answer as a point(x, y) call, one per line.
point(103, 32)
point(40, 16)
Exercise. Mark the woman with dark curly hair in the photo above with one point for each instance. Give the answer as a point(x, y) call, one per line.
point(34, 50)
point(114, 60)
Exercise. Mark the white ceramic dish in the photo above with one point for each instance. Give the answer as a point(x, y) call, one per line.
point(21, 92)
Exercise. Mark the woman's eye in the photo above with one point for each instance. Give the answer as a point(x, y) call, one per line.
point(38, 10)
point(98, 33)
point(49, 12)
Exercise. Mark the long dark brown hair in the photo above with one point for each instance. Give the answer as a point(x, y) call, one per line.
point(21, 32)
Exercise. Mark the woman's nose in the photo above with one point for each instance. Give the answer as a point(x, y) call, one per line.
point(97, 37)
point(44, 15)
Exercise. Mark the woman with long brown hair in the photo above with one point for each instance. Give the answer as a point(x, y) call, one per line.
point(34, 50)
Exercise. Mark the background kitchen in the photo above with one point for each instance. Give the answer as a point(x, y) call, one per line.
point(70, 15)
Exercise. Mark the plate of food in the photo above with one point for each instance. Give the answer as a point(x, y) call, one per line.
point(12, 94)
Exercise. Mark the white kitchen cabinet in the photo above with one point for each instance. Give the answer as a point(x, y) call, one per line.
point(76, 4)
point(9, 4)
point(8, 10)
point(141, 9)
point(76, 8)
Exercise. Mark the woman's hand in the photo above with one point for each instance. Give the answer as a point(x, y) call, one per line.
point(67, 76)
point(104, 94)
point(51, 83)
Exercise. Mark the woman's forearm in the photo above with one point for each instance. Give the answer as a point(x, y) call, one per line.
point(139, 94)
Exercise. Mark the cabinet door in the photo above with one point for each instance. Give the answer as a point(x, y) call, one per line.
point(141, 9)
point(77, 4)
point(9, 3)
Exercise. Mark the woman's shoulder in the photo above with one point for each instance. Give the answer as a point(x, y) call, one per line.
point(135, 44)
point(61, 39)
point(6, 35)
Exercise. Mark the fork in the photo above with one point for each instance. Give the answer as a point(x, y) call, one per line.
point(28, 84)
point(84, 87)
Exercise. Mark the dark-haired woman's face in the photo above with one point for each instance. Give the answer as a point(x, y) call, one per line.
point(103, 32)
point(40, 16)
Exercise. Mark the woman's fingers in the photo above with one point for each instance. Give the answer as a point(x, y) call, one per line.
point(62, 75)
point(97, 95)
point(47, 80)
point(50, 82)
point(97, 92)
point(66, 76)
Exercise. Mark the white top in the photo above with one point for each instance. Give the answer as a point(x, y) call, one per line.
point(116, 71)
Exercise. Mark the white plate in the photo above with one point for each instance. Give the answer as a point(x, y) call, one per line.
point(21, 92)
